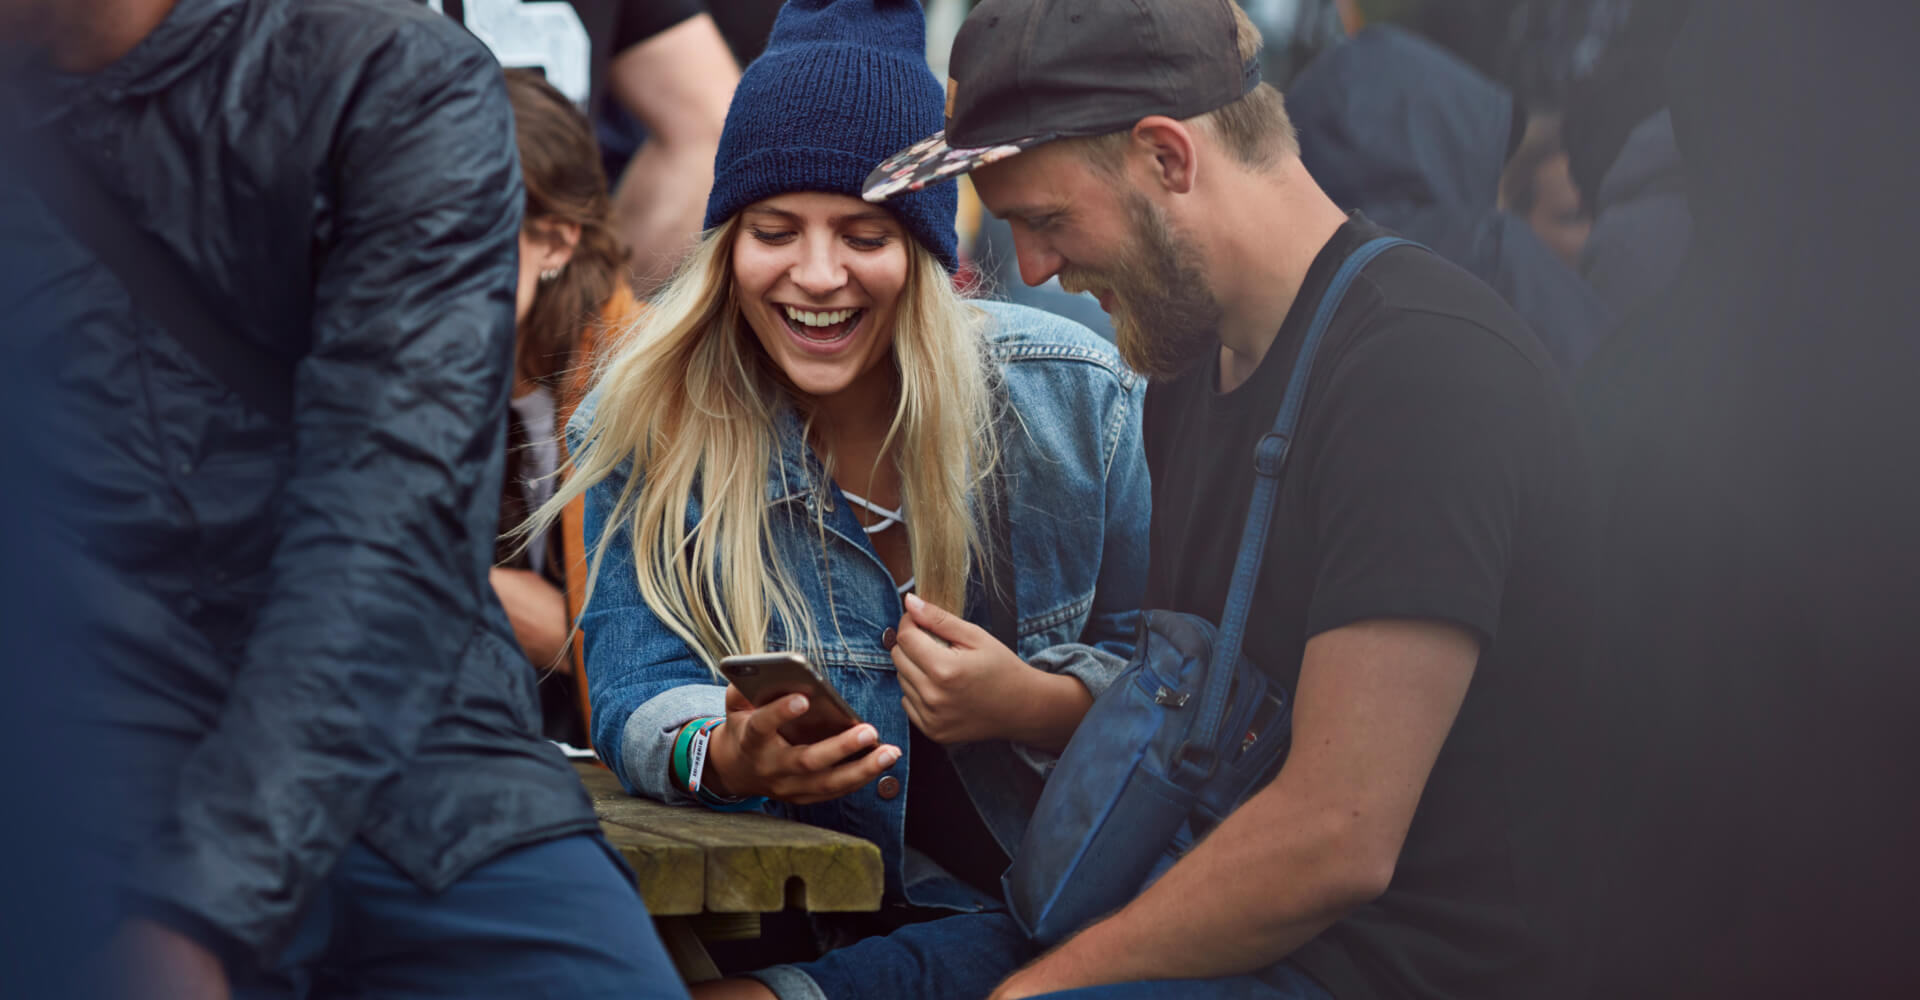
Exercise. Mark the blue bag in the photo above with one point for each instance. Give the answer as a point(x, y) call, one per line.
point(1184, 735)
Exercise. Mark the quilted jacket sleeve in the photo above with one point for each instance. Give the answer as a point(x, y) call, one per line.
point(386, 525)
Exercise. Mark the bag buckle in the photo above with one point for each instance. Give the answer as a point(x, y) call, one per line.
point(1171, 699)
point(1201, 761)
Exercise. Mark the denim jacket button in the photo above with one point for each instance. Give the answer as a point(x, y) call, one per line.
point(888, 638)
point(889, 787)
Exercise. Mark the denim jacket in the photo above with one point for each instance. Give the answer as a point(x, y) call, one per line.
point(1078, 504)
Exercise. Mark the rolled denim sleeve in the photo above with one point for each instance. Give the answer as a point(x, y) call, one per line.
point(1106, 641)
point(1090, 665)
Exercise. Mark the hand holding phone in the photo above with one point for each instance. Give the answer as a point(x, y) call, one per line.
point(760, 749)
point(768, 676)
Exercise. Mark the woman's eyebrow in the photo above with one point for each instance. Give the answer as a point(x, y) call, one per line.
point(794, 218)
point(770, 210)
point(871, 215)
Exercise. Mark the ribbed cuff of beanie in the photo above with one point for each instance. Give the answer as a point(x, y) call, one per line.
point(769, 172)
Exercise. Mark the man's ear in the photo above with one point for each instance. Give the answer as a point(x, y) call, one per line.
point(1170, 145)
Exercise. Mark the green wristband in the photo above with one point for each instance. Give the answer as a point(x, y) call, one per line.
point(680, 766)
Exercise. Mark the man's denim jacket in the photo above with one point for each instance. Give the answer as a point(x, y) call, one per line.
point(1078, 505)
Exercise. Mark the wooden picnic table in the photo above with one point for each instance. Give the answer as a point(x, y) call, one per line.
point(707, 876)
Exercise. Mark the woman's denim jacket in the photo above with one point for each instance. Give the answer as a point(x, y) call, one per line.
point(1078, 505)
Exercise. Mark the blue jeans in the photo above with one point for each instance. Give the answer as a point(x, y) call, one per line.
point(555, 919)
point(964, 957)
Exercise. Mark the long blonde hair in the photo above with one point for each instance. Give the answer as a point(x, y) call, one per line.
point(691, 399)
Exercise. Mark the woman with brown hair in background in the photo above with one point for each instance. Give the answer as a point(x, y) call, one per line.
point(573, 289)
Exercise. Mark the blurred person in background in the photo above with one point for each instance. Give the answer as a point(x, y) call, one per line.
point(281, 242)
point(1397, 127)
point(1537, 186)
point(745, 24)
point(1641, 222)
point(812, 412)
point(661, 64)
point(1547, 47)
point(1623, 84)
point(1474, 31)
point(1625, 161)
point(572, 295)
point(1537, 49)
point(1296, 31)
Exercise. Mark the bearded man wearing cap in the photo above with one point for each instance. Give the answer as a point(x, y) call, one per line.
point(1424, 591)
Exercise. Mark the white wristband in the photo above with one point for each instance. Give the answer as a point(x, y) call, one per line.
point(697, 756)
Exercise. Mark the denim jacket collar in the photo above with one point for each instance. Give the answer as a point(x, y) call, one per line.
point(794, 472)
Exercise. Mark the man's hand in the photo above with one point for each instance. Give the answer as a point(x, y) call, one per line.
point(538, 611)
point(152, 961)
point(961, 685)
point(748, 756)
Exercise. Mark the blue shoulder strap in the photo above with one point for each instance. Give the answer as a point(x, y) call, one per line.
point(1268, 460)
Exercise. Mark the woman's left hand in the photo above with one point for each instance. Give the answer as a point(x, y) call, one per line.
point(962, 685)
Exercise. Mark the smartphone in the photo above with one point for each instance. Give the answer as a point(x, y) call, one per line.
point(767, 677)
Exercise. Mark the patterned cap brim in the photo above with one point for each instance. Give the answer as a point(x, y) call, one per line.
point(931, 160)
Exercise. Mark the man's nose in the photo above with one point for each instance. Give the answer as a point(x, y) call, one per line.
point(1037, 261)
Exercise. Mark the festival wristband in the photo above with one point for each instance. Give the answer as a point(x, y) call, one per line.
point(697, 753)
point(703, 790)
point(677, 766)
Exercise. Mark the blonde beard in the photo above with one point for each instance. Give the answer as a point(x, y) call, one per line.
point(1160, 272)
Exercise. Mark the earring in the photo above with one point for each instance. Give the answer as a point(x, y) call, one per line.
point(549, 274)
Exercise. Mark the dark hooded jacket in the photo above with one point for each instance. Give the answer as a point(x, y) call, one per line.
point(296, 638)
point(1640, 220)
point(1396, 127)
point(1756, 433)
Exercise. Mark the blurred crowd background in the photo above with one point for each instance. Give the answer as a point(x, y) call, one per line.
point(1525, 139)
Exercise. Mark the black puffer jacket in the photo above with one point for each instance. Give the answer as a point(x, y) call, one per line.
point(299, 644)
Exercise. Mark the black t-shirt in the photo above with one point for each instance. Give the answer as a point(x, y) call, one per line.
point(941, 821)
point(612, 27)
point(1435, 475)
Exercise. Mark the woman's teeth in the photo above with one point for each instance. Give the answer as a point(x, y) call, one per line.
point(806, 318)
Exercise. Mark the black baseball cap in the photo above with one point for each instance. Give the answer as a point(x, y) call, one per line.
point(1024, 72)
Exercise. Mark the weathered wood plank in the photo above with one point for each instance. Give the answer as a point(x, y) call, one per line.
point(671, 874)
point(818, 878)
point(750, 859)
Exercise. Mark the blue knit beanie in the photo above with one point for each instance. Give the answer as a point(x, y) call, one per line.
point(842, 85)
